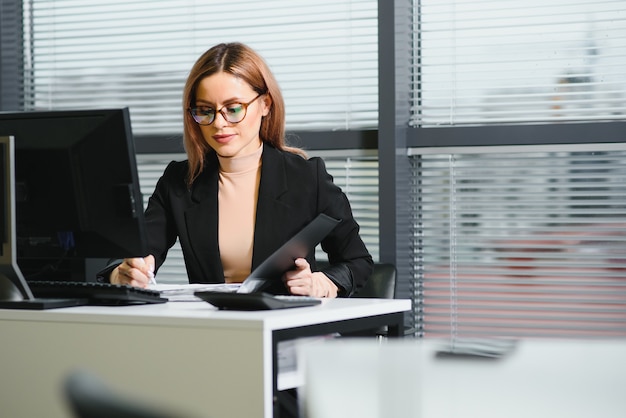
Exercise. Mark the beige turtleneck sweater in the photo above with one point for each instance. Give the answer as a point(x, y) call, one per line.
point(238, 191)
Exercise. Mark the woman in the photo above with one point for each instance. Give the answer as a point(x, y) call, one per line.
point(243, 193)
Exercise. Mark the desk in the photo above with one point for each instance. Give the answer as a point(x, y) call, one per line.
point(404, 378)
point(187, 356)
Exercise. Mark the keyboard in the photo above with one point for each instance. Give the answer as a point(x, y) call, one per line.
point(255, 301)
point(96, 293)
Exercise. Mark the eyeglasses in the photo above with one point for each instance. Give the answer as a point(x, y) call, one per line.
point(232, 112)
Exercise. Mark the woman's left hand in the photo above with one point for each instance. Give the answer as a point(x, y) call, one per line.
point(303, 282)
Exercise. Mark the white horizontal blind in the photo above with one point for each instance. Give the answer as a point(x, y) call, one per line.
point(137, 54)
point(355, 173)
point(10, 55)
point(521, 242)
point(510, 61)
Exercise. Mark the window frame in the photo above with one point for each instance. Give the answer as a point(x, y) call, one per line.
point(397, 33)
point(309, 140)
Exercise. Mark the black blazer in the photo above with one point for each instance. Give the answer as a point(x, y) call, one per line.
point(292, 192)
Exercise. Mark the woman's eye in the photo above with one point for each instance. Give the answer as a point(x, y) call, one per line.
point(234, 108)
point(205, 111)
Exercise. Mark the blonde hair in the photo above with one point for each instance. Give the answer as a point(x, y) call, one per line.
point(242, 62)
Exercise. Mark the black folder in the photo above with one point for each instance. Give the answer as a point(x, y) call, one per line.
point(268, 274)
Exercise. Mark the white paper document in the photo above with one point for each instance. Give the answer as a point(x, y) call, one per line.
point(185, 292)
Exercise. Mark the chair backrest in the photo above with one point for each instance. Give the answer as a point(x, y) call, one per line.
point(381, 283)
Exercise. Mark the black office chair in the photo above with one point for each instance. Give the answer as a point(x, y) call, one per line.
point(88, 396)
point(381, 283)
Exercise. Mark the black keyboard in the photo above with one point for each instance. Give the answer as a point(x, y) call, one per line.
point(96, 293)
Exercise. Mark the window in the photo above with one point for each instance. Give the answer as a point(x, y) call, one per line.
point(518, 200)
point(521, 241)
point(506, 61)
point(137, 53)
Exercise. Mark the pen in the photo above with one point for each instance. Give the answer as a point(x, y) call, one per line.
point(151, 275)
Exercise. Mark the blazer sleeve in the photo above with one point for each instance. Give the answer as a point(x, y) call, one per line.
point(350, 263)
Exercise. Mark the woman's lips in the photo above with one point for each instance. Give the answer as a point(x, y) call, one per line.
point(223, 138)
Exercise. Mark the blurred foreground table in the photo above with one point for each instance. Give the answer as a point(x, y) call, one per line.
point(407, 378)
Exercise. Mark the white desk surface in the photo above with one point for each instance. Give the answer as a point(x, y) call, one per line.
point(188, 356)
point(201, 313)
point(403, 378)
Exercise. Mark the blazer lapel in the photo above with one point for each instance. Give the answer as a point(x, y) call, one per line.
point(201, 221)
point(271, 210)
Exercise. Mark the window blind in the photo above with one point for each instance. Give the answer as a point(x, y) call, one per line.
point(520, 241)
point(10, 56)
point(506, 61)
point(357, 175)
point(137, 54)
point(355, 172)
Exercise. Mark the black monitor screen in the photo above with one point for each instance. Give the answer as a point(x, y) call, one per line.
point(77, 188)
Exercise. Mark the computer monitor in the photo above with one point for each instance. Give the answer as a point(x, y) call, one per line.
point(77, 193)
point(15, 292)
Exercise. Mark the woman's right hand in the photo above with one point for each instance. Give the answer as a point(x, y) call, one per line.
point(138, 272)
